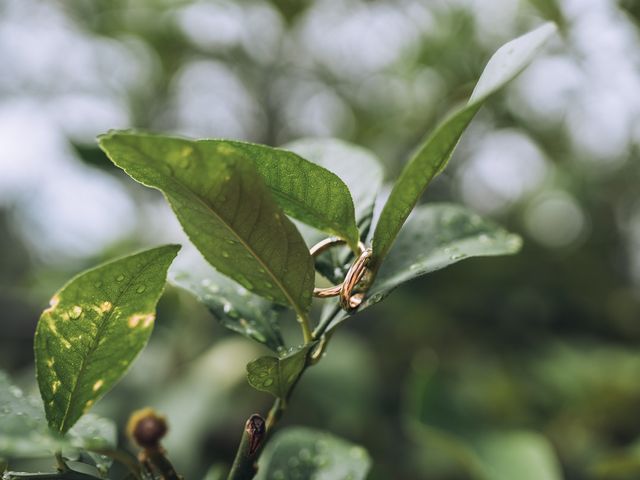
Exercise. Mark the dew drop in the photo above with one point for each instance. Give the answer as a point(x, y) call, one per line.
point(268, 284)
point(305, 455)
point(258, 336)
point(268, 382)
point(98, 284)
point(225, 254)
point(120, 278)
point(263, 374)
point(141, 289)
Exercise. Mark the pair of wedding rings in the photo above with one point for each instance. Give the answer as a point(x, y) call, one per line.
point(345, 290)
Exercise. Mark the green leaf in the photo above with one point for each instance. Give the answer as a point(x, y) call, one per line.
point(235, 307)
point(304, 453)
point(304, 190)
point(522, 455)
point(359, 168)
point(24, 431)
point(226, 210)
point(276, 375)
point(94, 432)
point(434, 237)
point(93, 330)
point(432, 156)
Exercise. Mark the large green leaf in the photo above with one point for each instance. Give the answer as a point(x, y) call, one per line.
point(434, 237)
point(432, 156)
point(304, 190)
point(276, 375)
point(235, 307)
point(95, 327)
point(24, 431)
point(225, 208)
point(304, 453)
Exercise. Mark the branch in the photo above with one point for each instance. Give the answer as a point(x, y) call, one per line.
point(244, 466)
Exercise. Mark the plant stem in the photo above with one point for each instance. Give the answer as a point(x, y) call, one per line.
point(303, 319)
point(161, 463)
point(244, 466)
point(60, 463)
point(125, 458)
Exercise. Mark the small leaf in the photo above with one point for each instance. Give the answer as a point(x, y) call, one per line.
point(24, 432)
point(304, 453)
point(432, 156)
point(226, 210)
point(235, 307)
point(304, 190)
point(277, 375)
point(434, 237)
point(93, 330)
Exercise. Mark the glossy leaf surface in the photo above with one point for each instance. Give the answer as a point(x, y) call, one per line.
point(304, 453)
point(234, 307)
point(432, 156)
point(434, 237)
point(276, 375)
point(225, 208)
point(93, 330)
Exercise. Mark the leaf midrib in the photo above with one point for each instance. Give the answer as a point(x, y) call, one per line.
point(266, 268)
point(94, 345)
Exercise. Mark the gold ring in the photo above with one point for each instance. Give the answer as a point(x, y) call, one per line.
point(354, 275)
point(349, 300)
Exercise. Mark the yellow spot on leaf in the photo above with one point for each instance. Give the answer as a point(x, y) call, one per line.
point(105, 307)
point(88, 405)
point(55, 385)
point(97, 385)
point(186, 151)
point(145, 318)
point(55, 300)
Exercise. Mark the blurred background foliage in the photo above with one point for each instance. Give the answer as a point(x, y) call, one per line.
point(531, 359)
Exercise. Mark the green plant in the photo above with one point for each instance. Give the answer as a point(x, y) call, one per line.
point(235, 200)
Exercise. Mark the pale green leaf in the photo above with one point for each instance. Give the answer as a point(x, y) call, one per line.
point(432, 156)
point(304, 453)
point(304, 190)
point(24, 431)
point(93, 330)
point(234, 307)
point(276, 375)
point(434, 237)
point(522, 455)
point(225, 208)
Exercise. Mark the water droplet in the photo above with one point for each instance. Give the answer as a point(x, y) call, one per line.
point(305, 454)
point(75, 312)
point(457, 256)
point(231, 242)
point(120, 278)
point(227, 307)
point(263, 373)
point(268, 382)
point(293, 462)
point(141, 288)
point(184, 163)
point(258, 336)
point(268, 285)
point(98, 284)
point(225, 254)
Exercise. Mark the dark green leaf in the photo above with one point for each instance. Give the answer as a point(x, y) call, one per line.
point(276, 375)
point(305, 453)
point(436, 236)
point(304, 190)
point(226, 209)
point(95, 327)
point(235, 307)
point(432, 156)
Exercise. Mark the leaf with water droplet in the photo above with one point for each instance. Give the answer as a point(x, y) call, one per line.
point(227, 209)
point(307, 453)
point(432, 156)
point(86, 329)
point(434, 237)
point(276, 375)
point(236, 309)
point(24, 432)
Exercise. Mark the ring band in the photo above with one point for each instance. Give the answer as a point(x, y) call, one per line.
point(348, 301)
